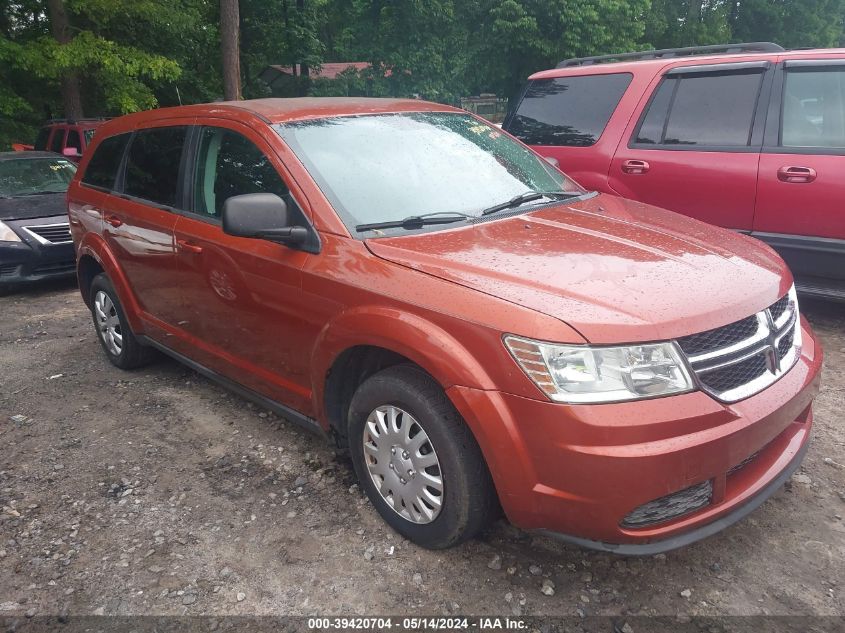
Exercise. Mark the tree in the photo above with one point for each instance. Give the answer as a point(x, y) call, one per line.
point(230, 49)
point(71, 95)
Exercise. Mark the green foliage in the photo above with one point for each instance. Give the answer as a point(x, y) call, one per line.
point(135, 54)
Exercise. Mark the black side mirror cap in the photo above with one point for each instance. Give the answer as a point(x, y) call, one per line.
point(266, 216)
point(251, 214)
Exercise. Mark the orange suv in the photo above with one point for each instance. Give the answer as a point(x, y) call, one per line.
point(476, 328)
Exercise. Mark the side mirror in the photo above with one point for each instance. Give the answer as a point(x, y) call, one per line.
point(71, 152)
point(554, 162)
point(263, 216)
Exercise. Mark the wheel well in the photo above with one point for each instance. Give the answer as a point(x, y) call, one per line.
point(86, 270)
point(348, 371)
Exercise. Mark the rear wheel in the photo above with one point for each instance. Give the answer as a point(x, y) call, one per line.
point(417, 460)
point(115, 335)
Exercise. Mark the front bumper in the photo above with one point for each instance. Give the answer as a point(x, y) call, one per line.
point(32, 259)
point(579, 471)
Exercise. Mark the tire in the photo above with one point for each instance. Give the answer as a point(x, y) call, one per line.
point(467, 496)
point(113, 331)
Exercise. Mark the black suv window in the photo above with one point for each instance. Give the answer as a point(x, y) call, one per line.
point(230, 165)
point(74, 141)
point(152, 167)
point(569, 111)
point(56, 141)
point(102, 168)
point(41, 139)
point(710, 109)
point(814, 108)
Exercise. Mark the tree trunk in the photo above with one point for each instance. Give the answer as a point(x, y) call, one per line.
point(230, 49)
point(71, 93)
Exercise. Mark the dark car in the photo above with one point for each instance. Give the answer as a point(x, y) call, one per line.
point(35, 240)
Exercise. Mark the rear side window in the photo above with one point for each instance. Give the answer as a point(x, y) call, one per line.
point(715, 110)
point(152, 166)
point(568, 111)
point(41, 139)
point(814, 108)
point(56, 141)
point(102, 168)
point(230, 165)
point(74, 141)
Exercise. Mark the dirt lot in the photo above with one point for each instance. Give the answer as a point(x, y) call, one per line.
point(157, 492)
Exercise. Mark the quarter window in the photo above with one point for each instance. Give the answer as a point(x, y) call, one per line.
point(568, 111)
point(230, 165)
point(102, 168)
point(152, 168)
point(814, 109)
point(715, 110)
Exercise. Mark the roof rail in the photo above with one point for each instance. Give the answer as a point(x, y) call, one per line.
point(717, 49)
point(89, 119)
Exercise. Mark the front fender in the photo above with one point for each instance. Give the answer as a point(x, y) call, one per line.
point(421, 341)
point(93, 245)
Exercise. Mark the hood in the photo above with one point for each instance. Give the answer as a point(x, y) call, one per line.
point(615, 270)
point(38, 206)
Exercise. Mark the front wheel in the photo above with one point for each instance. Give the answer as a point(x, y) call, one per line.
point(417, 460)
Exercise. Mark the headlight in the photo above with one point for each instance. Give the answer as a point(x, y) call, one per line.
point(7, 234)
point(579, 373)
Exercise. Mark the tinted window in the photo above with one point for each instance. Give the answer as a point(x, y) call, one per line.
point(56, 141)
point(814, 109)
point(103, 166)
point(41, 139)
point(152, 168)
point(709, 110)
point(230, 165)
point(569, 110)
point(651, 129)
point(73, 141)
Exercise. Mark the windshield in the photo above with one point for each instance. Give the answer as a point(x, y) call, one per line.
point(385, 167)
point(28, 176)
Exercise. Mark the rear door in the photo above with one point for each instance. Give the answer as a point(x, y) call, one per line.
point(138, 223)
point(694, 145)
point(801, 197)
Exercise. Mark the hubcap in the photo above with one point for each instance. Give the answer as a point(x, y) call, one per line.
point(108, 323)
point(403, 465)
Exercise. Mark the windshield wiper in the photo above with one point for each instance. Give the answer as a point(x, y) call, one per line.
point(530, 196)
point(416, 221)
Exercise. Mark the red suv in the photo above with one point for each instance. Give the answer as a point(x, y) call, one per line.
point(749, 137)
point(476, 328)
point(67, 136)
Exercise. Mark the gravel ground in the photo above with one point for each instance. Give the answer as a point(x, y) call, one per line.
point(157, 492)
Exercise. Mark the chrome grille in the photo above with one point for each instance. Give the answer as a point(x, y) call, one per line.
point(50, 233)
point(740, 359)
point(671, 506)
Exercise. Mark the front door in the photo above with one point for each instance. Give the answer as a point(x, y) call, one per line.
point(695, 148)
point(801, 197)
point(242, 296)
